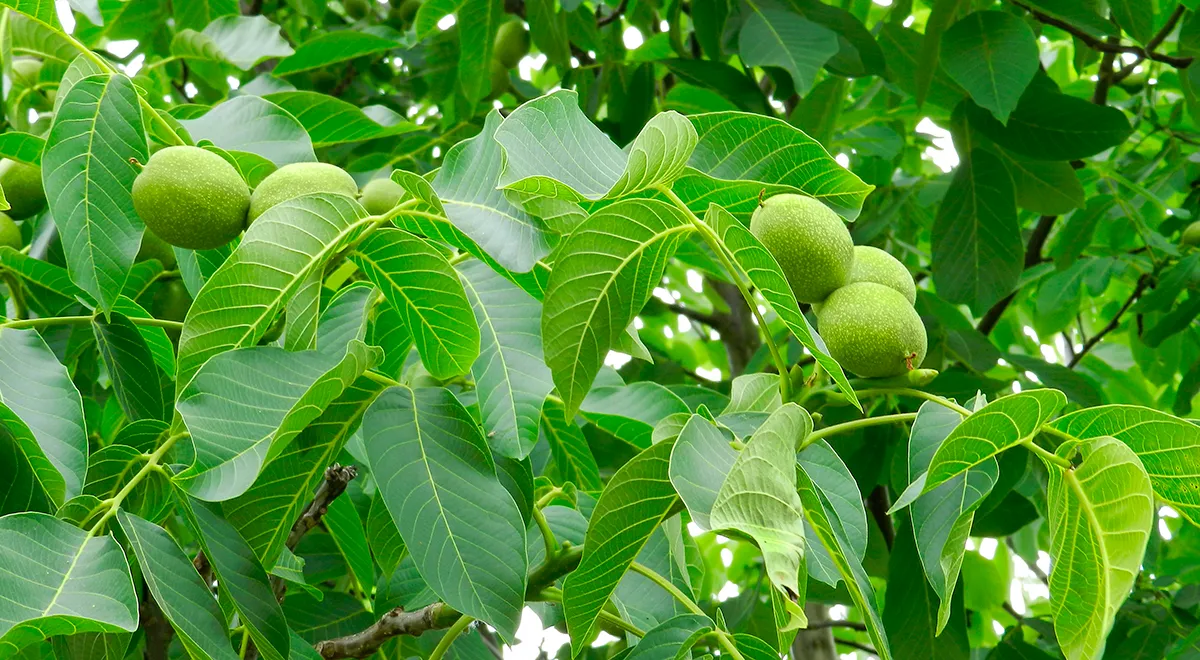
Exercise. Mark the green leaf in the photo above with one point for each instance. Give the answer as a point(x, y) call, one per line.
point(33, 483)
point(1045, 187)
point(638, 498)
point(22, 147)
point(112, 467)
point(630, 412)
point(136, 380)
point(87, 164)
point(43, 10)
point(437, 476)
point(59, 580)
point(1000, 425)
point(910, 613)
point(30, 36)
point(92, 646)
point(735, 147)
point(37, 389)
point(418, 281)
point(300, 324)
point(700, 461)
point(672, 638)
point(332, 47)
point(511, 377)
point(242, 41)
point(839, 494)
point(255, 125)
point(467, 194)
point(383, 537)
point(1167, 446)
point(942, 14)
point(244, 407)
point(978, 254)
point(278, 252)
point(774, 35)
point(603, 275)
point(239, 574)
point(346, 528)
point(162, 350)
point(758, 498)
point(53, 289)
point(903, 49)
point(335, 615)
point(554, 150)
point(178, 590)
point(572, 456)
point(764, 272)
point(1136, 18)
point(1100, 516)
point(330, 121)
point(993, 55)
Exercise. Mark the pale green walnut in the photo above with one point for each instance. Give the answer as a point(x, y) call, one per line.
point(381, 195)
point(874, 265)
point(298, 179)
point(154, 247)
point(499, 77)
point(22, 188)
point(357, 9)
point(872, 330)
point(512, 43)
point(1191, 235)
point(10, 233)
point(810, 242)
point(191, 198)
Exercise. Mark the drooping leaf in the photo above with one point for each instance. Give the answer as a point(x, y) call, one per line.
point(774, 35)
point(839, 492)
point(252, 124)
point(242, 41)
point(131, 364)
point(700, 462)
point(910, 613)
point(993, 55)
point(329, 120)
point(346, 528)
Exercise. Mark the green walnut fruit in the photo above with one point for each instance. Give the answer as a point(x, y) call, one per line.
point(874, 265)
point(872, 330)
point(299, 179)
point(154, 247)
point(1191, 235)
point(499, 78)
point(191, 198)
point(810, 242)
point(357, 9)
point(10, 233)
point(381, 195)
point(401, 15)
point(171, 301)
point(512, 43)
point(22, 188)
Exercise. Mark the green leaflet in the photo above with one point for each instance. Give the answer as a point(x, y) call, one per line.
point(383, 538)
point(242, 41)
point(330, 120)
point(775, 35)
point(839, 493)
point(33, 483)
point(572, 456)
point(56, 572)
point(993, 55)
point(96, 132)
point(604, 273)
point(511, 376)
point(910, 613)
point(110, 469)
point(326, 49)
point(277, 253)
point(245, 406)
point(1000, 425)
point(672, 638)
point(700, 461)
point(177, 589)
point(638, 498)
point(1167, 446)
point(630, 412)
point(1100, 515)
point(554, 150)
point(477, 24)
point(346, 528)
point(438, 479)
point(764, 272)
point(252, 124)
point(418, 282)
point(136, 380)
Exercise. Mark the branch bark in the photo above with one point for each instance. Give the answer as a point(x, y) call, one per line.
point(1114, 47)
point(1033, 257)
point(337, 477)
point(1142, 283)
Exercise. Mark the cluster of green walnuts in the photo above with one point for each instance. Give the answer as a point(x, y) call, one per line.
point(863, 297)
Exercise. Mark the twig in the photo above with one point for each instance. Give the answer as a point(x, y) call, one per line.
point(853, 625)
point(1108, 46)
point(1037, 570)
point(1033, 257)
point(601, 22)
point(1154, 42)
point(1142, 283)
point(855, 645)
point(1104, 78)
point(879, 503)
point(337, 477)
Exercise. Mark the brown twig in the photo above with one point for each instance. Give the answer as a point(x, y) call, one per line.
point(616, 13)
point(879, 504)
point(1154, 42)
point(855, 645)
point(853, 625)
point(1037, 570)
point(1033, 257)
point(1114, 47)
point(1142, 283)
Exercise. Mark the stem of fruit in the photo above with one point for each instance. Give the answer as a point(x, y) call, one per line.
point(846, 427)
point(666, 584)
point(904, 391)
point(79, 320)
point(114, 502)
point(451, 635)
point(714, 242)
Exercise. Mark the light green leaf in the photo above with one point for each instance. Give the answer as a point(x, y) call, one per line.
point(332, 47)
point(92, 646)
point(242, 41)
point(758, 498)
point(1000, 425)
point(572, 456)
point(39, 38)
point(700, 461)
point(59, 580)
point(278, 253)
point(36, 388)
point(738, 147)
point(22, 147)
point(437, 476)
point(346, 528)
point(136, 380)
point(1167, 446)
point(300, 324)
point(754, 393)
point(604, 273)
point(250, 123)
point(763, 271)
point(1100, 516)
point(330, 120)
point(638, 498)
point(993, 55)
point(87, 164)
point(511, 377)
point(672, 638)
point(775, 35)
point(630, 412)
point(245, 406)
point(418, 281)
point(178, 590)
point(240, 576)
point(43, 10)
point(839, 493)
point(554, 150)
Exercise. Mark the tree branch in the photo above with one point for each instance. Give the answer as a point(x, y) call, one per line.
point(878, 502)
point(1115, 47)
point(1142, 283)
point(853, 625)
point(1033, 257)
point(1154, 42)
point(601, 22)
